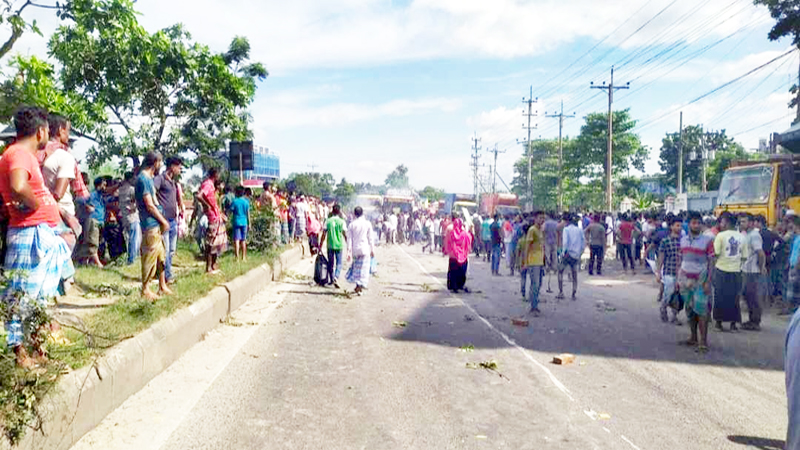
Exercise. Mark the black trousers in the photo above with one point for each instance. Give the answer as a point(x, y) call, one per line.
point(596, 253)
point(626, 254)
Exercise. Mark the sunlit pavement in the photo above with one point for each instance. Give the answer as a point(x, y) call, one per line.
point(399, 367)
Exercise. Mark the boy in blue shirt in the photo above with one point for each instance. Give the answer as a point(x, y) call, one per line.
point(240, 208)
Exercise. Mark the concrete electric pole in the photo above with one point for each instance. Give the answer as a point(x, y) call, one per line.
point(609, 159)
point(561, 118)
point(680, 155)
point(529, 114)
point(494, 172)
point(475, 158)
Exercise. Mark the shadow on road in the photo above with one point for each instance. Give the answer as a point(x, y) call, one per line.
point(612, 327)
point(757, 442)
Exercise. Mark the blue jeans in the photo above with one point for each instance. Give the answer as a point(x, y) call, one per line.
point(536, 273)
point(496, 250)
point(170, 239)
point(511, 248)
point(133, 236)
point(523, 281)
point(334, 264)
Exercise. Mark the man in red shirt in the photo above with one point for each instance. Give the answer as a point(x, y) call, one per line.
point(37, 259)
point(624, 241)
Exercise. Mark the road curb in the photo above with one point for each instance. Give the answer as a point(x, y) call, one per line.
point(83, 398)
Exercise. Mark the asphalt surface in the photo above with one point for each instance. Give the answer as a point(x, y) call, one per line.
point(305, 367)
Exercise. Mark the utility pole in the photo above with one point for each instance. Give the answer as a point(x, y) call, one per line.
point(475, 158)
point(561, 118)
point(494, 172)
point(528, 152)
point(610, 88)
point(680, 155)
point(704, 156)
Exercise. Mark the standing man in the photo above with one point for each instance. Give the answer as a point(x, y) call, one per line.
point(477, 243)
point(596, 237)
point(428, 230)
point(166, 186)
point(36, 260)
point(154, 225)
point(240, 211)
point(216, 238)
point(334, 231)
point(362, 249)
point(572, 247)
point(669, 260)
point(130, 216)
point(89, 244)
point(694, 279)
point(534, 260)
point(624, 243)
point(60, 170)
point(486, 237)
point(437, 233)
point(755, 271)
point(550, 229)
point(730, 248)
point(496, 232)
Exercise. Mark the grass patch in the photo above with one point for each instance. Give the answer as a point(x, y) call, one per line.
point(130, 314)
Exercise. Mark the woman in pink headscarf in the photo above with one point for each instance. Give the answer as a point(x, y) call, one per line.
point(459, 244)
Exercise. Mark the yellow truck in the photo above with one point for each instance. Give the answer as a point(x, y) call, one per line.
point(768, 188)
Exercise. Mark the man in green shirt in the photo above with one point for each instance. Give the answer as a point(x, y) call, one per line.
point(334, 231)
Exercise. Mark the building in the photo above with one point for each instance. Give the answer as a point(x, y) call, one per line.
point(266, 167)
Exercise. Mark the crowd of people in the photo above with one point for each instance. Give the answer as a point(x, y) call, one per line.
point(705, 266)
point(52, 222)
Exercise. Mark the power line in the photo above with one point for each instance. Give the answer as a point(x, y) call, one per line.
point(717, 89)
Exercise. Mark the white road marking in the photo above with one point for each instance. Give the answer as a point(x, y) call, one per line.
point(558, 384)
point(629, 442)
point(146, 420)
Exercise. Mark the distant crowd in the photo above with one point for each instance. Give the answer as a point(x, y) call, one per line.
point(705, 265)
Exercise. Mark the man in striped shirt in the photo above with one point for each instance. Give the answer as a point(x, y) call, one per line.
point(697, 264)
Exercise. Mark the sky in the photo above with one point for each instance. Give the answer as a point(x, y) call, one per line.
point(357, 87)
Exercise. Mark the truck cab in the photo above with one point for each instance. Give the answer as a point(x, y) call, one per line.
point(765, 188)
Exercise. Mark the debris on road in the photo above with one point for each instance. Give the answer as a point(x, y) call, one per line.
point(468, 318)
point(602, 306)
point(480, 436)
point(564, 359)
point(604, 416)
point(467, 348)
point(490, 365)
point(520, 322)
point(400, 323)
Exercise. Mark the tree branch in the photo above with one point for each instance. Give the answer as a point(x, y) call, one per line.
point(121, 120)
point(43, 6)
point(16, 32)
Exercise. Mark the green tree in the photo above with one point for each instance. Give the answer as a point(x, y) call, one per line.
point(398, 179)
point(314, 184)
point(344, 192)
point(787, 23)
point(694, 138)
point(587, 158)
point(35, 84)
point(161, 90)
point(432, 194)
point(543, 190)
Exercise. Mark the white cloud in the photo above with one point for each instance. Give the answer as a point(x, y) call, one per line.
point(294, 112)
point(321, 33)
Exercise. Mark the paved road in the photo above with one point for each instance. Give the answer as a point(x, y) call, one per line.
point(308, 369)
